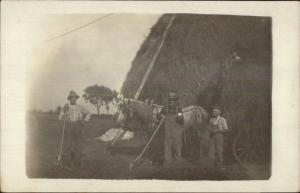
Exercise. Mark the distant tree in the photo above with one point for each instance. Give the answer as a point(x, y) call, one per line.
point(99, 95)
point(100, 92)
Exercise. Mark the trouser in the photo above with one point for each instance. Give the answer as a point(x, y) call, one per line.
point(73, 144)
point(216, 149)
point(173, 147)
point(173, 139)
point(156, 149)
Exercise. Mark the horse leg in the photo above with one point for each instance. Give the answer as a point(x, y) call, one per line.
point(184, 140)
point(195, 147)
point(198, 139)
point(188, 146)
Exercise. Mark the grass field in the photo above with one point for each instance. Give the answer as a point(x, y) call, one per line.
point(42, 146)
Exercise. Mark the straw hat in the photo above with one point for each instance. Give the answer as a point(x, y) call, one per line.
point(217, 108)
point(172, 95)
point(72, 93)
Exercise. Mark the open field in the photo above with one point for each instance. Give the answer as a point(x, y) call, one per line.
point(42, 146)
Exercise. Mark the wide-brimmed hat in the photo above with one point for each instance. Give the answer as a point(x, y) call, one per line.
point(172, 95)
point(72, 93)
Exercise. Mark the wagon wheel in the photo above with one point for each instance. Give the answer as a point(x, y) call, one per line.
point(246, 148)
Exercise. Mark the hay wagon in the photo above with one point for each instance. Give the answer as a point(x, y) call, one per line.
point(251, 144)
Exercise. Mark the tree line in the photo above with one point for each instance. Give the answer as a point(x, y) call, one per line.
point(93, 94)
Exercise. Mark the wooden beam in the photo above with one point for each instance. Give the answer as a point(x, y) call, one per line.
point(139, 90)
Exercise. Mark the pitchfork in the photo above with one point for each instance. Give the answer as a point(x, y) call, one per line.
point(58, 162)
point(147, 145)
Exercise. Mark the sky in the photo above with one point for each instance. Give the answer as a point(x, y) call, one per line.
point(100, 53)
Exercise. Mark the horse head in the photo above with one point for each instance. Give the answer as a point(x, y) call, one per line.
point(193, 116)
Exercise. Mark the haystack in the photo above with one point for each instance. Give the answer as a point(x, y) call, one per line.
point(195, 49)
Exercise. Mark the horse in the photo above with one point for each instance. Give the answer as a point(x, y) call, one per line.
point(193, 118)
point(129, 108)
point(195, 122)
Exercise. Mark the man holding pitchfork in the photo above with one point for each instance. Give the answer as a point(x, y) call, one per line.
point(71, 147)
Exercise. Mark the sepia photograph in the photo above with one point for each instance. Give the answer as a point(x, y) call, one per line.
point(187, 98)
point(149, 96)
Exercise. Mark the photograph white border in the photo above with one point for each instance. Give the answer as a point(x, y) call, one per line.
point(16, 35)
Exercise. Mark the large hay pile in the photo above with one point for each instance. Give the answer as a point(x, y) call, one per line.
point(195, 48)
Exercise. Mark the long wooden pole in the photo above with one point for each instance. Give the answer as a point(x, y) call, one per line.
point(139, 90)
point(58, 162)
point(147, 145)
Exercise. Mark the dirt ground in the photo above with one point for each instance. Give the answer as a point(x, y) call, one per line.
point(42, 147)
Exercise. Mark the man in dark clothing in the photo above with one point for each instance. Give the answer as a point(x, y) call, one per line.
point(173, 131)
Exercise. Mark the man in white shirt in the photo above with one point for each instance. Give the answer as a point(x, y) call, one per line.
point(74, 115)
point(217, 126)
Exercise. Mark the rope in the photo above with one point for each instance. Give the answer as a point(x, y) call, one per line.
point(78, 28)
